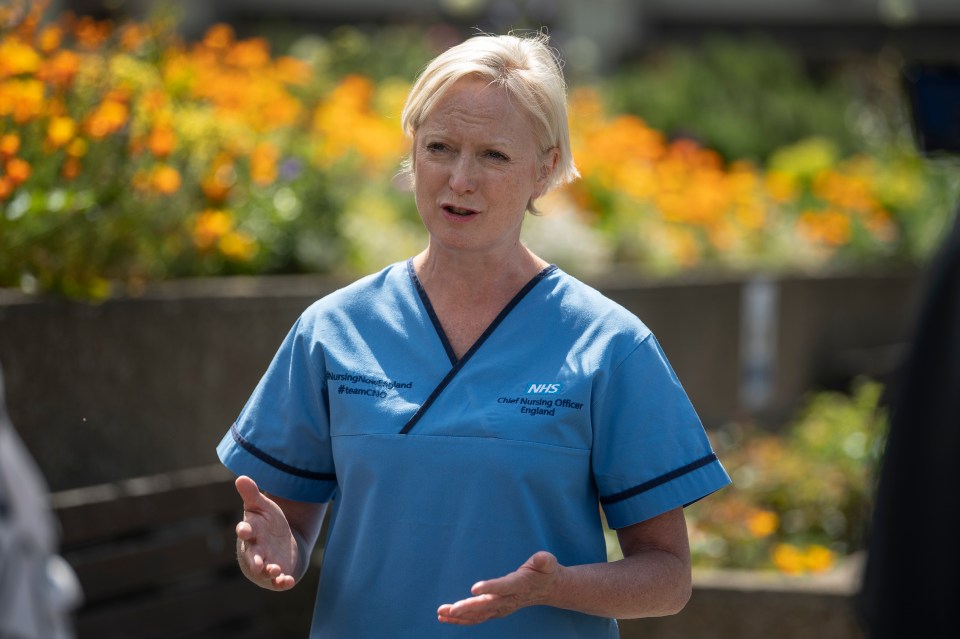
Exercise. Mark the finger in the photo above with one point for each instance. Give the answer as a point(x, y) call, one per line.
point(273, 571)
point(500, 586)
point(283, 582)
point(249, 492)
point(472, 610)
point(245, 531)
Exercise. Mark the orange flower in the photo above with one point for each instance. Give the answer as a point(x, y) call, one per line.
point(292, 71)
point(60, 69)
point(218, 182)
point(250, 54)
point(210, 226)
point(61, 130)
point(263, 164)
point(6, 187)
point(50, 38)
point(165, 179)
point(9, 145)
point(132, 37)
point(827, 226)
point(90, 33)
point(108, 118)
point(18, 170)
point(763, 523)
point(71, 168)
point(219, 36)
point(161, 141)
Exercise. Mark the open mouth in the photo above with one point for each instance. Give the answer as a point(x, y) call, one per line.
point(459, 212)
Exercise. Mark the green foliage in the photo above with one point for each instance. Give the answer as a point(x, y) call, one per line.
point(800, 499)
point(743, 98)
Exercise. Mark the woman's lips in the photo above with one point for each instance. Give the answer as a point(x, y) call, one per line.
point(458, 211)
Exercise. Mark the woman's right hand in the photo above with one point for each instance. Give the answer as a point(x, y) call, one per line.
point(267, 549)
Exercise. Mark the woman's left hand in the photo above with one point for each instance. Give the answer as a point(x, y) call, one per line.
point(529, 585)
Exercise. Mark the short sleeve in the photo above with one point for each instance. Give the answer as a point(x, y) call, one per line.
point(651, 453)
point(282, 437)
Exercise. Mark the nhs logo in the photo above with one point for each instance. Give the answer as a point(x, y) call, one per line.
point(543, 389)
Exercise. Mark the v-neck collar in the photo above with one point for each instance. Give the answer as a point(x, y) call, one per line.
point(457, 364)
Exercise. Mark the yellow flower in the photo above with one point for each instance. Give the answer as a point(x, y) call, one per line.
point(21, 98)
point(61, 130)
point(237, 246)
point(77, 148)
point(819, 558)
point(17, 58)
point(788, 559)
point(793, 560)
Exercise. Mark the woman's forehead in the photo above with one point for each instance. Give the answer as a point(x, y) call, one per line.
point(474, 104)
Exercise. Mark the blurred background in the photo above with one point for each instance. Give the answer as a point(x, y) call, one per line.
point(178, 180)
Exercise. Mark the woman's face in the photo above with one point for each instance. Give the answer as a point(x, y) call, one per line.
point(477, 165)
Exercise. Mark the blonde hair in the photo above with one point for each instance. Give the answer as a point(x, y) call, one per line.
point(526, 67)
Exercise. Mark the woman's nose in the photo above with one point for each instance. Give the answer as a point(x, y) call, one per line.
point(463, 176)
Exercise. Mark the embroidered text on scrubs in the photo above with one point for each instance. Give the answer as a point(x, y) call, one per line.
point(540, 406)
point(369, 392)
point(368, 381)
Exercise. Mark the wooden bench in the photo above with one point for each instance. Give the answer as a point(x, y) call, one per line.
point(156, 559)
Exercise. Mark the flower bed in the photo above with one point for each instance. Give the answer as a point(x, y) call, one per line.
point(128, 155)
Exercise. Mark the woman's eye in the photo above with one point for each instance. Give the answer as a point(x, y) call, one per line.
point(497, 155)
point(436, 147)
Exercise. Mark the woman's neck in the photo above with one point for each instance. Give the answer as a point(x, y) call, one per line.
point(477, 276)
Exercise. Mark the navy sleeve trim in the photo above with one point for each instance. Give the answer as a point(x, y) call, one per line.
point(276, 463)
point(659, 481)
point(458, 364)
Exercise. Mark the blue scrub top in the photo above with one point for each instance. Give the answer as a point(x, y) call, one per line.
point(447, 471)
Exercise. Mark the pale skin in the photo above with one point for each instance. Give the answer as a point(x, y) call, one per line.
point(476, 168)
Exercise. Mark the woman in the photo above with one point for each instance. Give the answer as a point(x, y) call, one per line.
point(467, 411)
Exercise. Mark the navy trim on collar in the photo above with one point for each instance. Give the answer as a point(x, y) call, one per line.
point(432, 313)
point(459, 364)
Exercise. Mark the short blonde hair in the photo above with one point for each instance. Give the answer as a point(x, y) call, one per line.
point(526, 67)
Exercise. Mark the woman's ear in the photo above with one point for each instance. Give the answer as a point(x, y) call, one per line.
point(548, 165)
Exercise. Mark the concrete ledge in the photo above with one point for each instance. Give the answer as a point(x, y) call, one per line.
point(145, 385)
point(755, 605)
